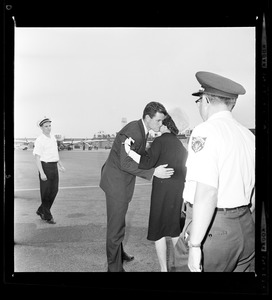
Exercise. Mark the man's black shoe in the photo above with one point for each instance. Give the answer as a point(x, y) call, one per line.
point(127, 257)
point(51, 221)
point(40, 214)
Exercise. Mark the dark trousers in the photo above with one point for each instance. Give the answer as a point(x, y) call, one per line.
point(48, 188)
point(116, 214)
point(228, 247)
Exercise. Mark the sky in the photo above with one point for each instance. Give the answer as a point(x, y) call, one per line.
point(87, 79)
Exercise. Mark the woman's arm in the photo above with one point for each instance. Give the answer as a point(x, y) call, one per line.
point(151, 156)
point(161, 171)
point(148, 159)
point(135, 156)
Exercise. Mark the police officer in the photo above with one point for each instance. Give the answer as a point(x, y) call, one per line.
point(219, 231)
point(48, 162)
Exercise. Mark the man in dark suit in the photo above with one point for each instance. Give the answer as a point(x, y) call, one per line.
point(118, 176)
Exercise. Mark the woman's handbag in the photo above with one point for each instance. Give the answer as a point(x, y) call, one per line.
point(182, 220)
point(182, 216)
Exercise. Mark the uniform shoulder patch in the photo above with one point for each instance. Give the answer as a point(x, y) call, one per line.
point(198, 143)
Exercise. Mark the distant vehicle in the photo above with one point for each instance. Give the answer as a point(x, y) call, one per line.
point(86, 145)
point(65, 145)
point(24, 144)
point(23, 147)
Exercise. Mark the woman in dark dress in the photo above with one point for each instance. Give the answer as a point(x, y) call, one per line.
point(166, 195)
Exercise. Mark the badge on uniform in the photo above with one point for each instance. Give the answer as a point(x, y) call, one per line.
point(198, 143)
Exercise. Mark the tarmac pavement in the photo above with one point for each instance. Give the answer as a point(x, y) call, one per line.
point(76, 243)
point(73, 251)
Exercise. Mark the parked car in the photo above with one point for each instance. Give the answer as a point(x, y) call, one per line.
point(23, 147)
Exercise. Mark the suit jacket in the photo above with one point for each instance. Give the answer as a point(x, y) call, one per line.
point(118, 174)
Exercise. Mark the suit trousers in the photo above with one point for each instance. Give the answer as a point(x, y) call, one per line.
point(48, 188)
point(229, 246)
point(116, 215)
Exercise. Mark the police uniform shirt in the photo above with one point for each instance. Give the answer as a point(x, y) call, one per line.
point(46, 148)
point(221, 153)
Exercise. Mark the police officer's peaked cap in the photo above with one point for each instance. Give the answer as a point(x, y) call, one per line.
point(217, 85)
point(43, 120)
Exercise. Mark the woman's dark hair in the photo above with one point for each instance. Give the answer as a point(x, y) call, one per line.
point(170, 124)
point(152, 108)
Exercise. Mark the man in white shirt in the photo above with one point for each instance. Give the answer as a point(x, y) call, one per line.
point(219, 230)
point(47, 161)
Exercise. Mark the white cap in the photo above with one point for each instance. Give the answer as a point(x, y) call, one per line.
point(42, 121)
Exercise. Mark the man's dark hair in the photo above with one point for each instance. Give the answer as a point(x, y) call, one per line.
point(152, 108)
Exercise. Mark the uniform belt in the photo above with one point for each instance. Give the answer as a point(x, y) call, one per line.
point(224, 209)
point(49, 162)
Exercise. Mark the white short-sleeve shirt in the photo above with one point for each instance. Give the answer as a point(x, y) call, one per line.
point(46, 148)
point(221, 153)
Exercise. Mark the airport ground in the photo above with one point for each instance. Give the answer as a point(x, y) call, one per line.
point(76, 243)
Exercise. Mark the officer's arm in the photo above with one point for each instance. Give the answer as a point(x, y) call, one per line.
point(252, 201)
point(252, 204)
point(204, 205)
point(205, 202)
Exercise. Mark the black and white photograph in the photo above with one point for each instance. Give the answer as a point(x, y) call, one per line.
point(133, 149)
